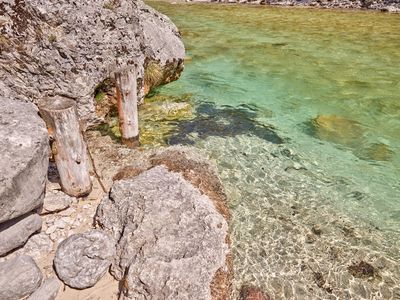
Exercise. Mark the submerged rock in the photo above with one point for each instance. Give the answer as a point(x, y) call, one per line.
point(377, 151)
point(172, 242)
point(338, 130)
point(82, 259)
point(24, 148)
point(15, 233)
point(19, 277)
point(362, 270)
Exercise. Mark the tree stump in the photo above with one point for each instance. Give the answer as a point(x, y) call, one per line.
point(69, 148)
point(127, 101)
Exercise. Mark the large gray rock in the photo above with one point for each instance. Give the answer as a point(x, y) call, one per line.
point(68, 47)
point(47, 291)
point(19, 277)
point(24, 148)
point(15, 233)
point(82, 259)
point(171, 239)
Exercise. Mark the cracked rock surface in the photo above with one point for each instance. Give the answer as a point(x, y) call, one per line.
point(68, 47)
point(171, 239)
point(82, 259)
point(24, 149)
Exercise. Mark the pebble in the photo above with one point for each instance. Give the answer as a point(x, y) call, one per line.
point(51, 229)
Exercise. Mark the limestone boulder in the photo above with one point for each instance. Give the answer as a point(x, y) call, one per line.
point(24, 148)
point(69, 47)
point(172, 242)
point(82, 259)
point(19, 277)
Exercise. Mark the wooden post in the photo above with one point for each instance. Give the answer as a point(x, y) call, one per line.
point(127, 100)
point(69, 148)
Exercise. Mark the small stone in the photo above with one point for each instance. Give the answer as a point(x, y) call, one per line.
point(316, 229)
point(82, 259)
point(19, 277)
point(15, 233)
point(47, 291)
point(51, 229)
point(54, 202)
point(54, 236)
point(38, 245)
point(66, 213)
point(53, 186)
point(310, 238)
point(61, 224)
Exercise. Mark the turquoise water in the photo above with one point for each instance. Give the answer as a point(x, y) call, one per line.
point(300, 108)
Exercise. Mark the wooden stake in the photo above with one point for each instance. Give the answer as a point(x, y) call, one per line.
point(69, 148)
point(127, 100)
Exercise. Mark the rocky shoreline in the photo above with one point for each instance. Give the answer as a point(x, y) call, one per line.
point(156, 222)
point(391, 6)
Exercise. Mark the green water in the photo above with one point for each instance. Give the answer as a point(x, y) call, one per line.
point(258, 77)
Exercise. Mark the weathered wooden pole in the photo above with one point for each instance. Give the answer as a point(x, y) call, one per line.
point(69, 148)
point(127, 100)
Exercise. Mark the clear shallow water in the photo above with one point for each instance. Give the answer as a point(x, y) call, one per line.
point(257, 77)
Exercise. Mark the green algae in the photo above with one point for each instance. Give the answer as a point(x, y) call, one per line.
point(159, 117)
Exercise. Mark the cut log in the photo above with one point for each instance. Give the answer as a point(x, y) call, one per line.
point(127, 100)
point(69, 148)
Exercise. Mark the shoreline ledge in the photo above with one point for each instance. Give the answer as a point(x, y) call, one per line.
point(346, 5)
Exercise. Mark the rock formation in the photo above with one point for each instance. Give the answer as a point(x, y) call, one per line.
point(24, 159)
point(69, 47)
point(172, 242)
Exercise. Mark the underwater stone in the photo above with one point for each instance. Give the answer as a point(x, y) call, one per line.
point(15, 233)
point(252, 293)
point(338, 130)
point(362, 270)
